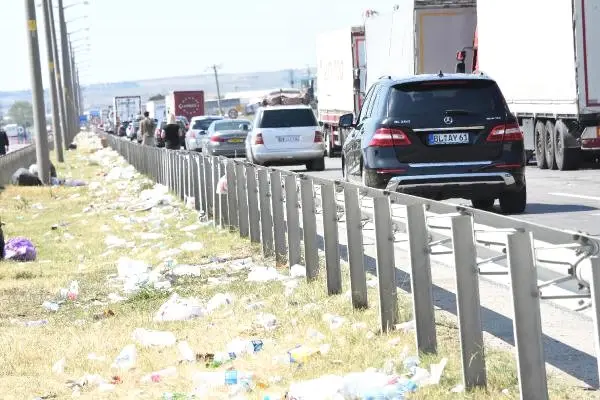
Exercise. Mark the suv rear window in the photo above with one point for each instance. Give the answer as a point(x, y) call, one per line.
point(472, 96)
point(293, 118)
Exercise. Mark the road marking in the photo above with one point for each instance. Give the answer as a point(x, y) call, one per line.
point(576, 196)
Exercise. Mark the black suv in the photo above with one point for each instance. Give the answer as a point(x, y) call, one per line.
point(438, 136)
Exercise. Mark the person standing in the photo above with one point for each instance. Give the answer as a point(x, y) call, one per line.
point(3, 142)
point(172, 134)
point(147, 130)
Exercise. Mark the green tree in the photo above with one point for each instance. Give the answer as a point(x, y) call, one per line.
point(21, 112)
point(157, 97)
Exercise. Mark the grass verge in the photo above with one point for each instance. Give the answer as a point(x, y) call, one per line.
point(70, 227)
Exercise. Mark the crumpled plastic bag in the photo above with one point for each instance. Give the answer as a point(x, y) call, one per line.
point(19, 249)
point(222, 185)
point(177, 308)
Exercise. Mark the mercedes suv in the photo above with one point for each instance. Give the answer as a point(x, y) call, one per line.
point(438, 136)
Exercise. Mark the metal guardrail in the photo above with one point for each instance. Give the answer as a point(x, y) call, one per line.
point(21, 158)
point(279, 209)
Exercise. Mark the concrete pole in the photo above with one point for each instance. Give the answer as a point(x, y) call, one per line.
point(58, 140)
point(59, 79)
point(76, 110)
point(66, 69)
point(37, 89)
point(215, 68)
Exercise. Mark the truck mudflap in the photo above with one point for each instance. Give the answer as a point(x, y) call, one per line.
point(590, 138)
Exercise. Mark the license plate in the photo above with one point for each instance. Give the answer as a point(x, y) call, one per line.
point(287, 139)
point(235, 140)
point(448, 138)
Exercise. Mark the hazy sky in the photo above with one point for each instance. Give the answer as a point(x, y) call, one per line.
point(137, 39)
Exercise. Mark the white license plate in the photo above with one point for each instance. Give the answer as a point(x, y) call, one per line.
point(288, 139)
point(448, 138)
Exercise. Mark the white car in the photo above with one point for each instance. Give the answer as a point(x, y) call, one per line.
point(286, 135)
point(197, 131)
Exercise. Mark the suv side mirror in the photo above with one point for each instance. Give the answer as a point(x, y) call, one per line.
point(346, 121)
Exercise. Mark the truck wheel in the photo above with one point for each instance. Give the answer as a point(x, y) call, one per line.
point(514, 202)
point(548, 140)
point(540, 145)
point(566, 158)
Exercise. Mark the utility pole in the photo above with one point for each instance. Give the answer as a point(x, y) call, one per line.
point(59, 78)
point(37, 90)
point(66, 70)
point(58, 145)
point(292, 78)
point(73, 70)
point(215, 69)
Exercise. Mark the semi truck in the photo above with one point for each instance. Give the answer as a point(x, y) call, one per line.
point(341, 72)
point(156, 109)
point(419, 37)
point(547, 71)
point(188, 104)
point(126, 108)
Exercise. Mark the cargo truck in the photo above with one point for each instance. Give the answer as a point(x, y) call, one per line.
point(188, 104)
point(548, 72)
point(156, 109)
point(419, 37)
point(126, 108)
point(341, 72)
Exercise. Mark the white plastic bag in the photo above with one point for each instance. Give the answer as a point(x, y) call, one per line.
point(222, 185)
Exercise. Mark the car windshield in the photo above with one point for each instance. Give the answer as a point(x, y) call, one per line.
point(298, 117)
point(230, 125)
point(480, 97)
point(202, 124)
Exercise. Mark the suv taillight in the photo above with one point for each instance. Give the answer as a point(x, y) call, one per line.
point(506, 133)
point(258, 139)
point(389, 137)
point(318, 137)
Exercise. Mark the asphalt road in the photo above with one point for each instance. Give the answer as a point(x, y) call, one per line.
point(15, 147)
point(559, 199)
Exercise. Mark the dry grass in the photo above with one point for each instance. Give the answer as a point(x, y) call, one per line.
point(28, 353)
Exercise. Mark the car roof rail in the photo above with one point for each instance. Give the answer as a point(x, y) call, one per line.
point(385, 77)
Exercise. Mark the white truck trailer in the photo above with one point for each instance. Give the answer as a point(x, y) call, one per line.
point(341, 73)
point(418, 37)
point(157, 109)
point(546, 62)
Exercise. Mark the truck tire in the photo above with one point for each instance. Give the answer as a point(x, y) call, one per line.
point(540, 145)
point(549, 142)
point(566, 158)
point(514, 202)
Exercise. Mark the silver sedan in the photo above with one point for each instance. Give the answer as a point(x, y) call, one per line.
point(226, 138)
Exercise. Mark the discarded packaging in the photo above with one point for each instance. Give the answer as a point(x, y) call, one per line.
point(148, 338)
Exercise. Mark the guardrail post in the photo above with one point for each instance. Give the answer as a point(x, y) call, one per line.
point(242, 197)
point(176, 172)
point(173, 170)
point(189, 175)
point(223, 198)
point(182, 175)
point(200, 181)
point(386, 263)
point(208, 196)
point(216, 197)
point(595, 298)
point(195, 179)
point(292, 220)
point(527, 321)
point(169, 170)
point(330, 234)
point(266, 219)
point(468, 303)
point(254, 218)
point(422, 291)
point(278, 218)
point(232, 195)
point(309, 228)
point(356, 257)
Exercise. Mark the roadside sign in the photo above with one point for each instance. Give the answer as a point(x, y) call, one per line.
point(233, 113)
point(83, 119)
